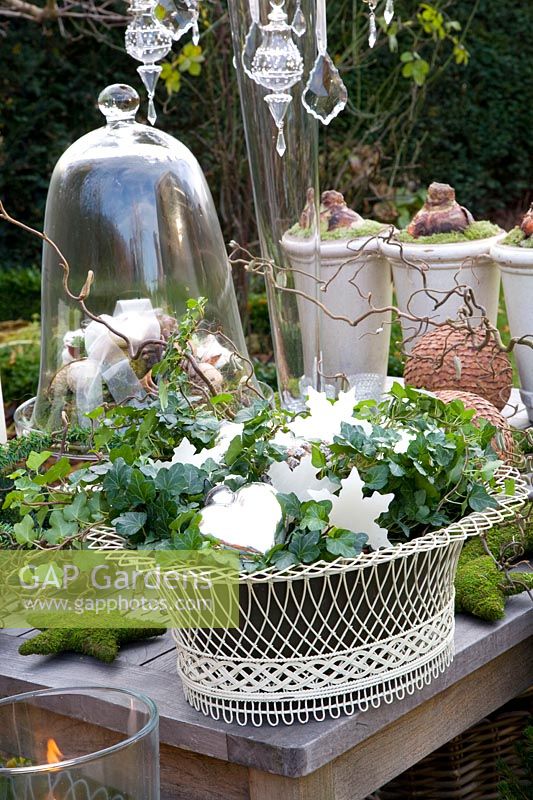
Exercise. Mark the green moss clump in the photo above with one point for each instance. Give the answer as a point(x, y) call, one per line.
point(369, 227)
point(483, 229)
point(480, 587)
point(101, 643)
point(517, 238)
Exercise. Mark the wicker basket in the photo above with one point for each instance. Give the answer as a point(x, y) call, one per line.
point(326, 638)
point(465, 768)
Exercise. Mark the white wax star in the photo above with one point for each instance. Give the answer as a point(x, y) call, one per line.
point(300, 480)
point(406, 437)
point(353, 512)
point(325, 418)
point(185, 452)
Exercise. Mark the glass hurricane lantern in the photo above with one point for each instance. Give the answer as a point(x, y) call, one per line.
point(79, 744)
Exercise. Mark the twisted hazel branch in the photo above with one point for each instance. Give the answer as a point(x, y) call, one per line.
point(470, 310)
point(267, 269)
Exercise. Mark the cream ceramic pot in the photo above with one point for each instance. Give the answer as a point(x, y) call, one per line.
point(516, 267)
point(352, 282)
point(448, 265)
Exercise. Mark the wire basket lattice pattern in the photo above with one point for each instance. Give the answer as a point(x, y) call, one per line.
point(330, 638)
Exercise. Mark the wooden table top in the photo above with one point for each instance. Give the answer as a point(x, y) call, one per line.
point(293, 751)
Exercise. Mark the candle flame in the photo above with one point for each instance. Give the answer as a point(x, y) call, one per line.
point(53, 753)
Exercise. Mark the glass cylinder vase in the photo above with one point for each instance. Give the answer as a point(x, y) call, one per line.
point(79, 744)
point(273, 59)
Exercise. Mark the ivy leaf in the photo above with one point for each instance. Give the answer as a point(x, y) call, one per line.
point(130, 523)
point(78, 509)
point(125, 451)
point(318, 458)
point(283, 559)
point(190, 539)
point(304, 547)
point(25, 532)
point(290, 505)
point(344, 543)
point(60, 527)
point(36, 460)
point(116, 484)
point(141, 489)
point(479, 499)
point(225, 397)
point(182, 478)
point(234, 450)
point(396, 469)
point(59, 470)
point(377, 477)
point(146, 427)
point(315, 515)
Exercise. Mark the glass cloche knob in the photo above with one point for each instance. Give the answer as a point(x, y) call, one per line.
point(119, 102)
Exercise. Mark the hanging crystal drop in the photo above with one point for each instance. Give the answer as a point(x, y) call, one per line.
point(195, 34)
point(372, 30)
point(325, 94)
point(389, 11)
point(147, 41)
point(178, 17)
point(278, 104)
point(281, 145)
point(150, 75)
point(299, 24)
point(152, 114)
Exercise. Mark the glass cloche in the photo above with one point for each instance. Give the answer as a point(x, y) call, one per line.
point(129, 204)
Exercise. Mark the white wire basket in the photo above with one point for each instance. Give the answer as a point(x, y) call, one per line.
point(332, 638)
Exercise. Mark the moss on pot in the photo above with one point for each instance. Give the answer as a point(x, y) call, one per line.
point(483, 229)
point(369, 227)
point(517, 238)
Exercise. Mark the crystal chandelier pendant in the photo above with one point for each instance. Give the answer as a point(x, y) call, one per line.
point(147, 41)
point(277, 65)
point(150, 75)
point(325, 94)
point(278, 105)
point(389, 11)
point(372, 28)
point(179, 16)
point(299, 24)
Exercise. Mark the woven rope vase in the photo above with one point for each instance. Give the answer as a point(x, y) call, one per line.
point(332, 638)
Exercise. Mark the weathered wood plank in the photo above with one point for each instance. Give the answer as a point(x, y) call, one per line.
point(317, 786)
point(167, 662)
point(189, 776)
point(363, 769)
point(145, 652)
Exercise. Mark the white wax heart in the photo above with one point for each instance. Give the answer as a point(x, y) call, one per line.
point(249, 522)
